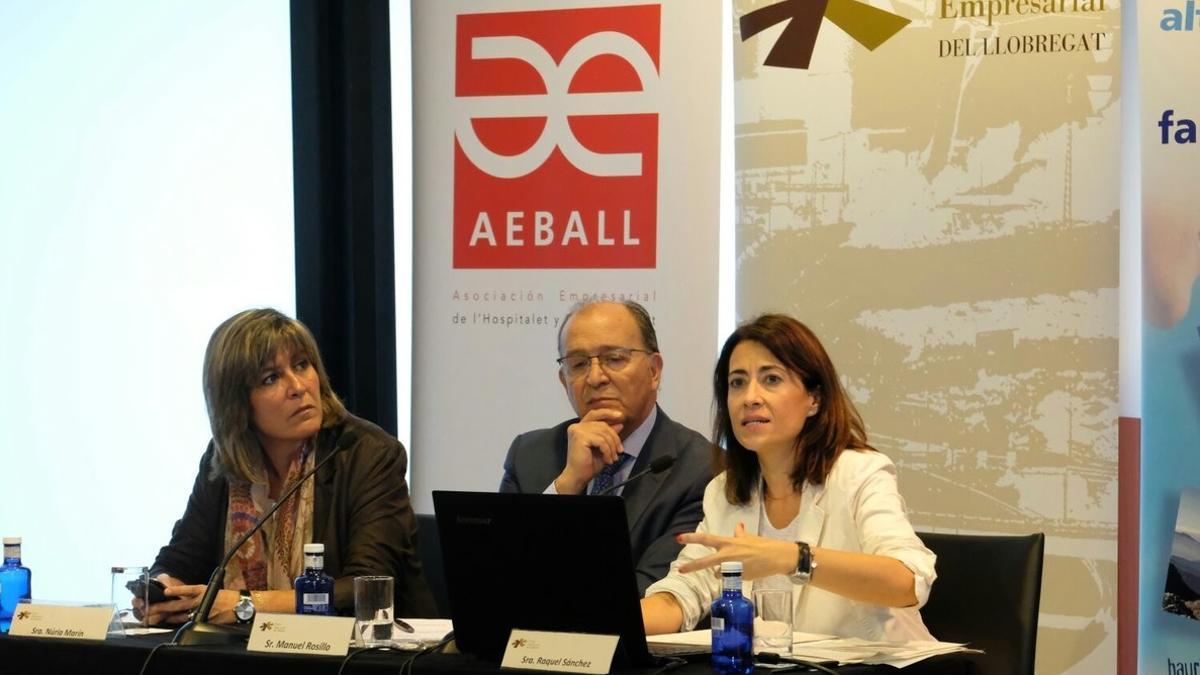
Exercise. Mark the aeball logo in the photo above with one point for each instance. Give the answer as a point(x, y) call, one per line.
point(556, 138)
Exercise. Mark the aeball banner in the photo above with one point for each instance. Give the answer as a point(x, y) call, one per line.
point(933, 187)
point(1169, 575)
point(564, 151)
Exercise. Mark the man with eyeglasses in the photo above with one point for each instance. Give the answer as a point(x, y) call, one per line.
point(610, 368)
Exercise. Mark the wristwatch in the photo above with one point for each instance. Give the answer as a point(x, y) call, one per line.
point(805, 566)
point(243, 611)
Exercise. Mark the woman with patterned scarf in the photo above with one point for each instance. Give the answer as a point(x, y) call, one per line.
point(274, 416)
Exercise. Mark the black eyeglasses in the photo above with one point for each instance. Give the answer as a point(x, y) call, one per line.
point(576, 366)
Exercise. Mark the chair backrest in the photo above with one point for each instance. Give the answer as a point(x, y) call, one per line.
point(987, 594)
point(429, 550)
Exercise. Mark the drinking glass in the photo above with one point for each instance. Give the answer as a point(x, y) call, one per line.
point(373, 611)
point(773, 620)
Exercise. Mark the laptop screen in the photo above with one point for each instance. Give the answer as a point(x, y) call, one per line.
point(538, 562)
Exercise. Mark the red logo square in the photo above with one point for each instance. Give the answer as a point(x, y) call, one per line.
point(556, 138)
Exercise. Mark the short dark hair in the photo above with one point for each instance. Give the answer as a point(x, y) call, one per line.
point(640, 316)
point(835, 427)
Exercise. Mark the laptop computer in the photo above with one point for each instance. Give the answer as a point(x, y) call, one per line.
point(539, 562)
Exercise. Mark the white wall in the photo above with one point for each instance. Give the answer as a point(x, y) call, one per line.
point(145, 195)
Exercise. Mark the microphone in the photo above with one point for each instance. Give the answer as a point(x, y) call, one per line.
point(659, 465)
point(199, 631)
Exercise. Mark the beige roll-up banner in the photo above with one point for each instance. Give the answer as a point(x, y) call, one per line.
point(563, 151)
point(933, 186)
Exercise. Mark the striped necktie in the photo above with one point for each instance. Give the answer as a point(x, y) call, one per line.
point(604, 479)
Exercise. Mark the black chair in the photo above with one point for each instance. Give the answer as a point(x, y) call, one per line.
point(987, 594)
point(429, 549)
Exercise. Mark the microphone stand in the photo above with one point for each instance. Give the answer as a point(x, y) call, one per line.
point(199, 631)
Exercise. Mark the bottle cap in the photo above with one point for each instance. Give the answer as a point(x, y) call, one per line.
point(310, 549)
point(12, 541)
point(731, 567)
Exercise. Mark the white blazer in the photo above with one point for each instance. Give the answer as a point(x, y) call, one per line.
point(859, 509)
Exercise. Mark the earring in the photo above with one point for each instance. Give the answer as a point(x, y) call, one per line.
point(812, 412)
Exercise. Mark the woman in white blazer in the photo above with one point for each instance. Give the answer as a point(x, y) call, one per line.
point(802, 500)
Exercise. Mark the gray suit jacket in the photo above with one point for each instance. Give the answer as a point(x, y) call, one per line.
point(658, 507)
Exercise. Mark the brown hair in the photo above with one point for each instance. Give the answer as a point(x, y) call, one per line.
point(836, 426)
point(238, 351)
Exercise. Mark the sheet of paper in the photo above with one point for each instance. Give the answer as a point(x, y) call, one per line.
point(425, 631)
point(698, 638)
point(818, 647)
point(856, 650)
point(144, 630)
point(701, 638)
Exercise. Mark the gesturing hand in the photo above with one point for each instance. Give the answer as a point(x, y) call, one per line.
point(760, 557)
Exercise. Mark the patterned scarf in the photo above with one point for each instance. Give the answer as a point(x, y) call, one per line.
point(259, 564)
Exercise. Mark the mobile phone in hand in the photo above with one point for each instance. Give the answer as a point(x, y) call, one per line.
point(155, 588)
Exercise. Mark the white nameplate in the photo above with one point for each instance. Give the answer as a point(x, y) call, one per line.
point(559, 652)
point(301, 634)
point(64, 622)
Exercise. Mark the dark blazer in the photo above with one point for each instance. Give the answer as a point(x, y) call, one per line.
point(658, 507)
point(361, 512)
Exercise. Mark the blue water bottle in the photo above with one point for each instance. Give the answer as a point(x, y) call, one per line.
point(732, 625)
point(314, 588)
point(14, 582)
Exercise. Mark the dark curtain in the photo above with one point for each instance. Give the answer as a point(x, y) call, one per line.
point(342, 146)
